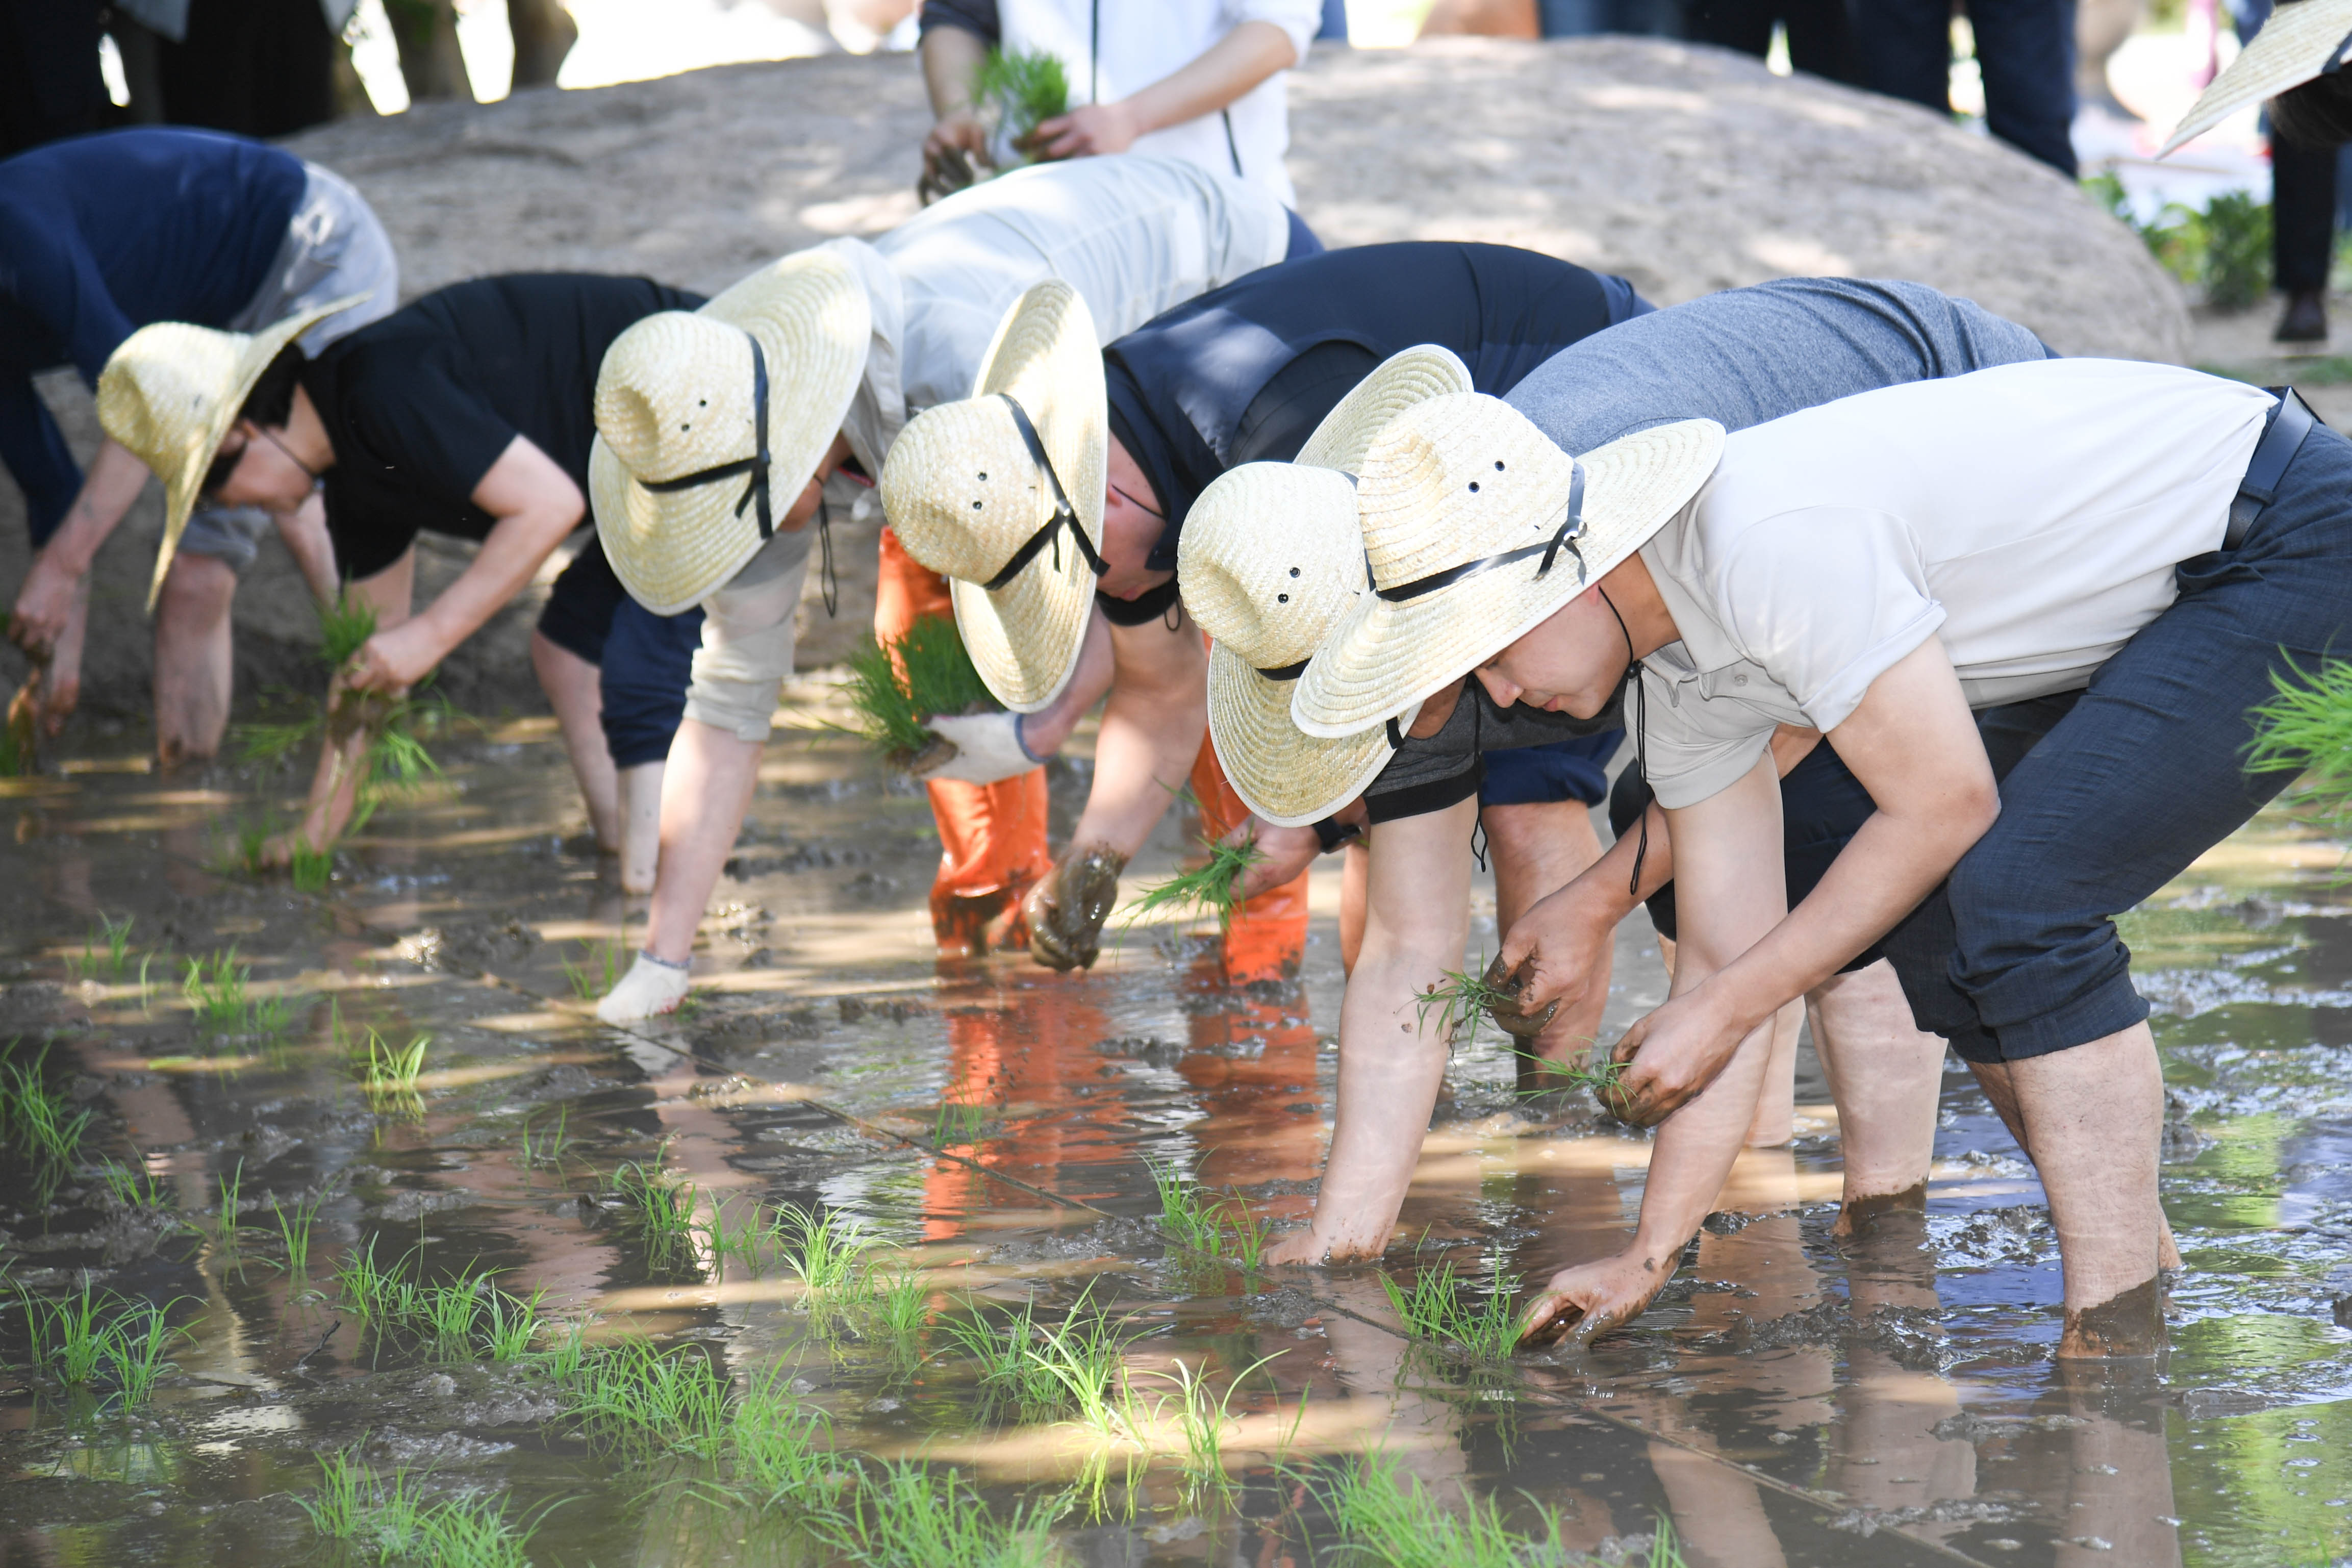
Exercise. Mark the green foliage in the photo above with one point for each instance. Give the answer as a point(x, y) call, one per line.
point(1019, 90)
point(131, 1187)
point(631, 1398)
point(908, 1517)
point(219, 992)
point(549, 1146)
point(1433, 1310)
point(1213, 887)
point(344, 627)
point(459, 1318)
point(310, 870)
point(38, 1123)
point(1393, 1518)
point(1000, 1353)
point(960, 1124)
point(1461, 997)
point(393, 1070)
point(663, 1204)
point(742, 1235)
point(776, 1448)
point(597, 972)
point(1205, 1419)
point(893, 688)
point(107, 951)
point(2226, 248)
point(387, 1519)
point(2307, 726)
point(79, 1338)
point(826, 1250)
point(294, 1229)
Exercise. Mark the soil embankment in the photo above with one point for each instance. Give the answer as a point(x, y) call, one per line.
point(1685, 169)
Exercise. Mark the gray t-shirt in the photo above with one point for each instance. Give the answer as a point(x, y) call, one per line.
point(1740, 357)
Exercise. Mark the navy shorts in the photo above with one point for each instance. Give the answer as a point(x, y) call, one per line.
point(1302, 239)
point(1821, 807)
point(649, 662)
point(1560, 770)
point(579, 605)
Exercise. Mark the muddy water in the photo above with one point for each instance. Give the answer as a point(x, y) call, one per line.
point(1792, 1400)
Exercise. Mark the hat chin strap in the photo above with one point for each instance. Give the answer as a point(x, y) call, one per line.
point(755, 465)
point(1571, 528)
point(1065, 515)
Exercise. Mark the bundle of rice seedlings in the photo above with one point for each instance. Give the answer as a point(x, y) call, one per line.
point(1020, 89)
point(894, 687)
point(2307, 726)
point(1459, 999)
point(1213, 888)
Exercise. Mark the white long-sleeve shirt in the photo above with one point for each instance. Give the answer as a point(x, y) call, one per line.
point(1113, 49)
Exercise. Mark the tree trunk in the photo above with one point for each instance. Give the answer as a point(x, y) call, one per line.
point(430, 62)
point(543, 34)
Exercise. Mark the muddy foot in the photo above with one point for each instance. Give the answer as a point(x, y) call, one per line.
point(2129, 1324)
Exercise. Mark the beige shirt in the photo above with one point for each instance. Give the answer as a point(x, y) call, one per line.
point(2029, 516)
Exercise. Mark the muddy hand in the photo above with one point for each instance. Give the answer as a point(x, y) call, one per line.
point(1584, 1302)
point(1066, 910)
point(1513, 1019)
point(1670, 1058)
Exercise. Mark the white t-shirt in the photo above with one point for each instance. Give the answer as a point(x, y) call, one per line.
point(2029, 515)
point(1135, 237)
point(1114, 48)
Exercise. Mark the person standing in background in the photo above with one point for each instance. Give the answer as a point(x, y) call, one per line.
point(2023, 49)
point(1225, 109)
point(2303, 210)
point(49, 82)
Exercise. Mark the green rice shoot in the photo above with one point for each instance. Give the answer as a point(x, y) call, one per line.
point(1021, 90)
point(1460, 998)
point(2307, 726)
point(344, 627)
point(894, 687)
point(1213, 888)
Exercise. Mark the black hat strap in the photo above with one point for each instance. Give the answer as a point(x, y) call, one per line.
point(1571, 528)
point(755, 465)
point(1065, 515)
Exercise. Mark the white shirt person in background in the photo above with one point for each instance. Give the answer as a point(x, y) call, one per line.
point(1224, 107)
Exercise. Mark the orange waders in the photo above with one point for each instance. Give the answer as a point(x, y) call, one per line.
point(1268, 937)
point(992, 836)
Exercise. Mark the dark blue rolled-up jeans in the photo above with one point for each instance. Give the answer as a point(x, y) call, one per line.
point(2108, 793)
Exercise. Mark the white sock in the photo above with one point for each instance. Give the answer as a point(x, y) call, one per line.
point(648, 990)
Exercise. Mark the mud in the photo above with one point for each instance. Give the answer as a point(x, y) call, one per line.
point(1067, 911)
point(1793, 1396)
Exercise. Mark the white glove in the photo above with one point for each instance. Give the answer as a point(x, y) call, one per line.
point(647, 991)
point(987, 748)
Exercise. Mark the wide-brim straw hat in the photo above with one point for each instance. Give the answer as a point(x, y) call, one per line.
point(967, 497)
point(672, 475)
point(169, 392)
point(2300, 42)
point(1270, 559)
point(1463, 501)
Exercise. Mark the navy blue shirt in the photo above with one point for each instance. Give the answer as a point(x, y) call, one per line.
point(1245, 373)
point(102, 234)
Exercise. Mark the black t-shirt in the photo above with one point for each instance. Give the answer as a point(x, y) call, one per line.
point(422, 403)
point(1244, 373)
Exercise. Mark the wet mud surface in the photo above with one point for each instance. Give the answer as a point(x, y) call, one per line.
point(993, 1131)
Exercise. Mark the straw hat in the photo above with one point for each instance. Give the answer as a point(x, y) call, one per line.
point(965, 490)
point(1477, 528)
point(1271, 559)
point(2301, 41)
point(171, 391)
point(675, 471)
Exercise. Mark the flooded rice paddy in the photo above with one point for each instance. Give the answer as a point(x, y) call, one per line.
point(748, 1286)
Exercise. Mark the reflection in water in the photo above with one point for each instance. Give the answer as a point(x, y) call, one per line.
point(1795, 1396)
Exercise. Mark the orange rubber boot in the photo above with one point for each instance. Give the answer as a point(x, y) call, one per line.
point(1268, 937)
point(992, 836)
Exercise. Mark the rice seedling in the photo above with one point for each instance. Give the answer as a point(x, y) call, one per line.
point(344, 627)
point(310, 870)
point(908, 1516)
point(1007, 1375)
point(663, 1204)
point(1187, 1217)
point(827, 1250)
point(598, 970)
point(1213, 888)
point(1433, 1310)
point(1244, 1234)
point(294, 1230)
point(1203, 1419)
point(378, 1297)
point(1085, 1358)
point(137, 1348)
point(132, 1187)
point(232, 1204)
point(893, 688)
point(959, 1125)
point(743, 1238)
point(38, 1121)
point(548, 1148)
point(66, 1337)
point(1394, 1519)
point(446, 1316)
point(1596, 1072)
point(216, 991)
point(777, 1448)
point(387, 1518)
point(393, 1070)
point(630, 1396)
point(338, 1507)
point(1462, 997)
point(20, 746)
point(900, 1301)
point(567, 1350)
point(1021, 90)
point(106, 950)
point(2308, 727)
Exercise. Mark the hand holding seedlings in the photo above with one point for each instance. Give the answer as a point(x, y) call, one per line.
point(1509, 986)
point(897, 689)
point(1213, 888)
point(1067, 908)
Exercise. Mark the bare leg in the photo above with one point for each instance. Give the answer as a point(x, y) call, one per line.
point(1775, 1122)
point(1538, 848)
point(305, 533)
point(2092, 1114)
point(641, 795)
point(1885, 1074)
point(1994, 1080)
point(1355, 877)
point(574, 686)
point(705, 792)
point(193, 652)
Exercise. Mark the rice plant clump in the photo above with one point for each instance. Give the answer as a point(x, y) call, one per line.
point(597, 972)
point(1392, 1517)
point(38, 1123)
point(1020, 89)
point(387, 1518)
point(908, 1516)
point(78, 1339)
point(631, 1398)
point(1431, 1309)
point(107, 951)
point(894, 687)
point(1462, 997)
point(662, 1204)
point(2308, 727)
point(1213, 888)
